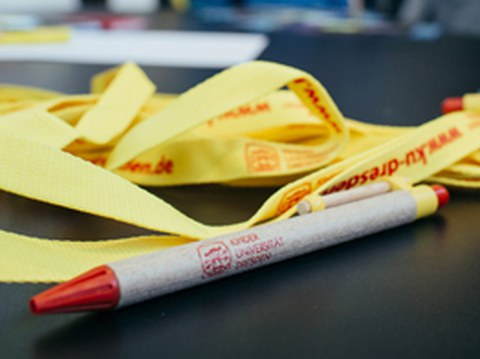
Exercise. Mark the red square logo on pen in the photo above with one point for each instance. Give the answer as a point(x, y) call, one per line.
point(215, 257)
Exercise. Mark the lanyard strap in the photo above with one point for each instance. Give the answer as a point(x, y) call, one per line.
point(240, 127)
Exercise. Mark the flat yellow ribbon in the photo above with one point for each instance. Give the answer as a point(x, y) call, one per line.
point(89, 152)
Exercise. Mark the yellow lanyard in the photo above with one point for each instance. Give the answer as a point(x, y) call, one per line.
point(89, 152)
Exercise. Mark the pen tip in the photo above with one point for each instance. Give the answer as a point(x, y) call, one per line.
point(96, 289)
point(442, 194)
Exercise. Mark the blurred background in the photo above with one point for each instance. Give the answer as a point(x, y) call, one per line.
point(422, 19)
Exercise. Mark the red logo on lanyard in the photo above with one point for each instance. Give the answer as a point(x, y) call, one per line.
point(261, 158)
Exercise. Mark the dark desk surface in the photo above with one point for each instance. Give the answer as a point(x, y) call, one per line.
point(411, 292)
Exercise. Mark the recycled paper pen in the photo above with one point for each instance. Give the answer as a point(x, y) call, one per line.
point(150, 275)
point(467, 102)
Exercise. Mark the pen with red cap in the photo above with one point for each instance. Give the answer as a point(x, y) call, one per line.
point(144, 277)
point(468, 102)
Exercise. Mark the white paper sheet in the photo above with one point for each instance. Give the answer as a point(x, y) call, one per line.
point(163, 48)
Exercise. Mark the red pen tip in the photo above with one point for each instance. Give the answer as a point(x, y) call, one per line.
point(96, 289)
point(442, 194)
point(452, 104)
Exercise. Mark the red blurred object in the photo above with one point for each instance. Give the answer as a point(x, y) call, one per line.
point(452, 104)
point(442, 194)
point(105, 21)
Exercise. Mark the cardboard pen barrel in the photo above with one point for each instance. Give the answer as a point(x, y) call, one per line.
point(151, 275)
